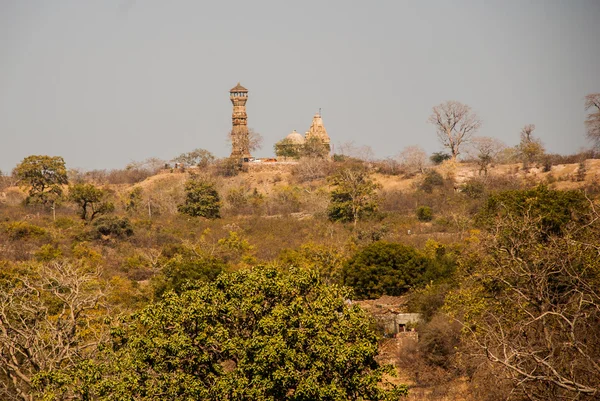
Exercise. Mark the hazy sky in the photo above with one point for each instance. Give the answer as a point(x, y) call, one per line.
point(105, 82)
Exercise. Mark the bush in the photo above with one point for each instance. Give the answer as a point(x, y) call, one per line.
point(424, 213)
point(474, 188)
point(112, 226)
point(438, 341)
point(21, 230)
point(431, 180)
point(438, 158)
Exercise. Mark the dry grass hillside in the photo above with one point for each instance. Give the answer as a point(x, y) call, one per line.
point(266, 180)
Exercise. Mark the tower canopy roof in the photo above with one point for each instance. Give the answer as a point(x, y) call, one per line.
point(238, 88)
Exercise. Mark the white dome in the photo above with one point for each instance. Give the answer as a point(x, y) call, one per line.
point(295, 138)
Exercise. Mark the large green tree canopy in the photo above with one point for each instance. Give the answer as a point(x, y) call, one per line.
point(385, 268)
point(260, 334)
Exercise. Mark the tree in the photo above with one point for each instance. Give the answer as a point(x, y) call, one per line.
point(184, 266)
point(288, 148)
point(44, 175)
point(486, 150)
point(592, 123)
point(552, 209)
point(530, 148)
point(201, 199)
point(91, 201)
point(197, 157)
point(48, 321)
point(455, 124)
point(384, 268)
point(314, 148)
point(413, 159)
point(529, 304)
point(259, 334)
point(353, 196)
point(254, 139)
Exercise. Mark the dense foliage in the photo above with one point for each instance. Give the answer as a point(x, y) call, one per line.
point(554, 209)
point(353, 196)
point(256, 334)
point(491, 254)
point(44, 176)
point(385, 268)
point(201, 200)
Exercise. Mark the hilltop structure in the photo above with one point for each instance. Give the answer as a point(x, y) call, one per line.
point(315, 142)
point(240, 140)
point(317, 131)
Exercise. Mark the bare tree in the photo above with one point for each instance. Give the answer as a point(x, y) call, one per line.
point(532, 307)
point(486, 150)
point(46, 323)
point(255, 139)
point(455, 124)
point(530, 148)
point(361, 152)
point(413, 159)
point(592, 123)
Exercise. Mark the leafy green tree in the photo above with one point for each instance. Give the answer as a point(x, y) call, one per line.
point(197, 157)
point(385, 268)
point(259, 334)
point(201, 199)
point(314, 148)
point(326, 259)
point(353, 196)
point(44, 175)
point(288, 148)
point(91, 201)
point(183, 267)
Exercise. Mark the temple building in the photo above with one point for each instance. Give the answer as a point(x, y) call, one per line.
point(315, 142)
point(317, 131)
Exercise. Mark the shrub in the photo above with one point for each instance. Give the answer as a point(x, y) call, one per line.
point(438, 341)
point(21, 230)
point(112, 226)
point(474, 188)
point(439, 157)
point(431, 180)
point(424, 213)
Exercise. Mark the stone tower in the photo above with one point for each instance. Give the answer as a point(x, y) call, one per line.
point(239, 131)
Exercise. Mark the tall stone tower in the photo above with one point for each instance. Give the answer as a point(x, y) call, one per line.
point(239, 131)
